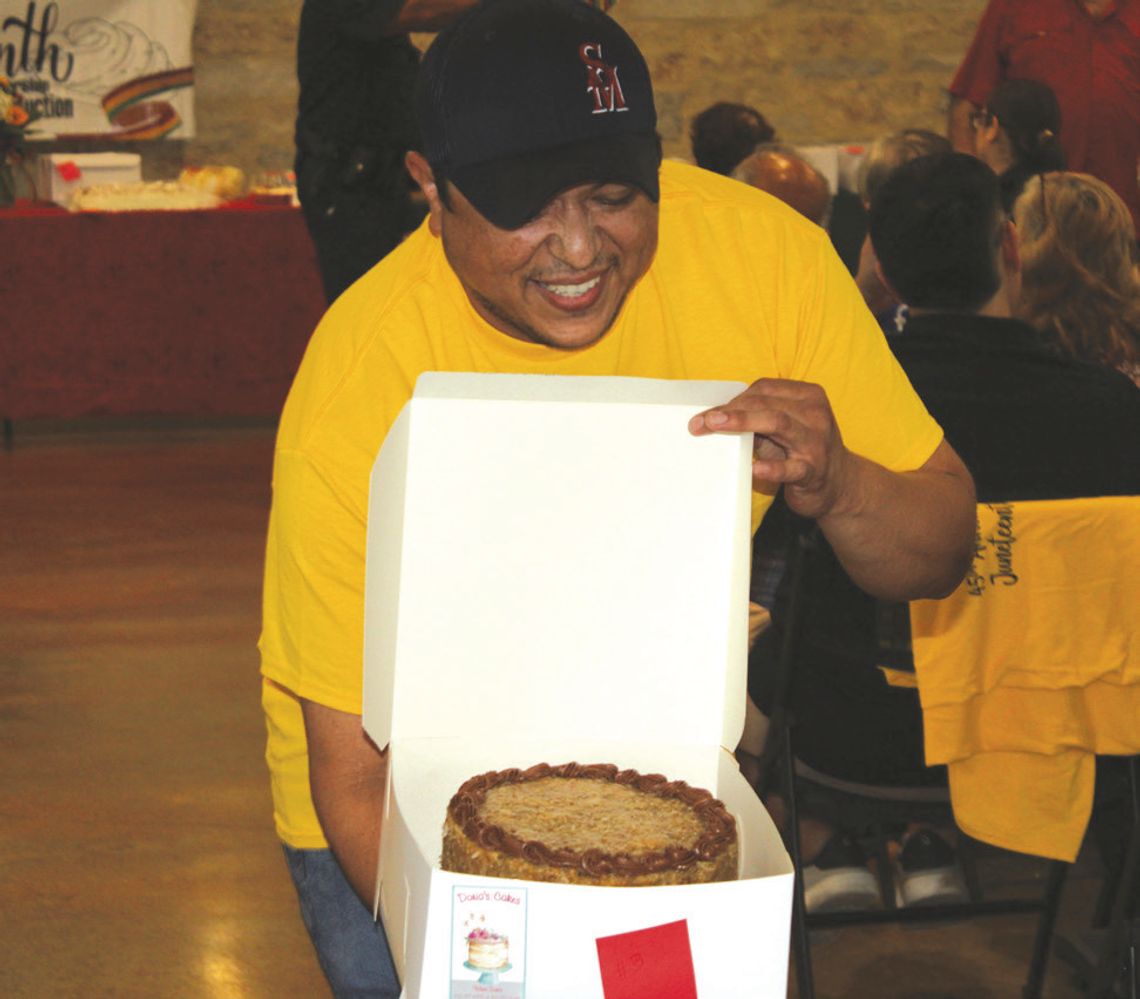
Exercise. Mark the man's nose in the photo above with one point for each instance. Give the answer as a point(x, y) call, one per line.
point(574, 240)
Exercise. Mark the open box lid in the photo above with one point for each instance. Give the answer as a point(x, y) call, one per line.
point(558, 557)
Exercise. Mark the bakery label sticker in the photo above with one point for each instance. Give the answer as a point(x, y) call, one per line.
point(488, 942)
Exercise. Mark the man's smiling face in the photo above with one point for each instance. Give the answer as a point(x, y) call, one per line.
point(559, 279)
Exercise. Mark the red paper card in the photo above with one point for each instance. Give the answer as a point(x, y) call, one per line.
point(654, 963)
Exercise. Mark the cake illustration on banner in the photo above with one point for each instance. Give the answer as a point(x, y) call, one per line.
point(132, 109)
point(588, 824)
point(487, 950)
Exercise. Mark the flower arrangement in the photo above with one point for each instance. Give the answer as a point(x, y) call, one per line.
point(14, 118)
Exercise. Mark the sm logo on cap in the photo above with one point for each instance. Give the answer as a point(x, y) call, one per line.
point(601, 80)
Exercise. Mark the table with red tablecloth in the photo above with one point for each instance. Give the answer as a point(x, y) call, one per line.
point(176, 313)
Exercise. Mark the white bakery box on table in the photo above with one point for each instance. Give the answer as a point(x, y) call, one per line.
point(60, 175)
point(558, 571)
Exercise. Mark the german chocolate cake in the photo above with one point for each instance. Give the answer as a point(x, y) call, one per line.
point(593, 825)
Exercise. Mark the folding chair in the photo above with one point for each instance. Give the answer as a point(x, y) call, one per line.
point(875, 806)
point(1114, 961)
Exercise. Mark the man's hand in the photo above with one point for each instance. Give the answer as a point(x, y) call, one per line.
point(899, 535)
point(759, 620)
point(797, 442)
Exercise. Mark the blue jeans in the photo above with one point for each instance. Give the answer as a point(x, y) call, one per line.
point(351, 946)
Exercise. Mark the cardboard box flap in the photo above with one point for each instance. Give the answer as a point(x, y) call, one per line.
point(556, 556)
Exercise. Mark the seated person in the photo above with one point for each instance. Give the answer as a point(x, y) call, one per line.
point(1080, 287)
point(724, 133)
point(885, 155)
point(1030, 425)
point(782, 172)
point(1017, 135)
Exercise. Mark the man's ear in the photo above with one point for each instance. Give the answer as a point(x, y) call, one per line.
point(991, 131)
point(422, 174)
point(1010, 247)
point(885, 283)
point(1009, 253)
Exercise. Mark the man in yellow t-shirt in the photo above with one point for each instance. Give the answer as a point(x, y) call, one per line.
point(556, 242)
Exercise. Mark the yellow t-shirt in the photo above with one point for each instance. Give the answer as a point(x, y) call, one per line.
point(741, 288)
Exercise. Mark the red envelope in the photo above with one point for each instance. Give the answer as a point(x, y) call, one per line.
point(654, 963)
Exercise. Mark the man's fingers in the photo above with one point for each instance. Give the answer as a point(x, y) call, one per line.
point(753, 409)
point(765, 448)
point(789, 471)
point(767, 422)
point(708, 422)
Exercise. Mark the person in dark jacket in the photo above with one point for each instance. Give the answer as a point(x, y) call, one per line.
point(356, 67)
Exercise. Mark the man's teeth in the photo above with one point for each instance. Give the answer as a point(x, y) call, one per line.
point(572, 290)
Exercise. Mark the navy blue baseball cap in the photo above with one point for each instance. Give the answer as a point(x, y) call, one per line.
point(521, 99)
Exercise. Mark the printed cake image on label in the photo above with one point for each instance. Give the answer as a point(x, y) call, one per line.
point(488, 942)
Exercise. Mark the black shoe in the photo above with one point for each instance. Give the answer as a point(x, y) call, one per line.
point(926, 872)
point(838, 880)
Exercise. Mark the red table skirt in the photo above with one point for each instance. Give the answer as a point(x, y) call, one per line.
point(169, 313)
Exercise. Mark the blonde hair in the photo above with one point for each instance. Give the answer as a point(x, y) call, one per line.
point(1080, 283)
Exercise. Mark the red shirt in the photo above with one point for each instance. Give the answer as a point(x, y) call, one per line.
point(1093, 67)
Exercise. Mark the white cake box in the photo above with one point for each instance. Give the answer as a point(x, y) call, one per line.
point(59, 175)
point(557, 570)
point(839, 163)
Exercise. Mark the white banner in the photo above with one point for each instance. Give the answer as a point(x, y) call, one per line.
point(101, 68)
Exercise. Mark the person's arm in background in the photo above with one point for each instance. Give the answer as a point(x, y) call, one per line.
point(371, 20)
point(899, 535)
point(980, 71)
point(877, 295)
point(428, 15)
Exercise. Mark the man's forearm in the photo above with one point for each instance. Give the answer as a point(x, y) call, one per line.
point(347, 776)
point(351, 821)
point(908, 535)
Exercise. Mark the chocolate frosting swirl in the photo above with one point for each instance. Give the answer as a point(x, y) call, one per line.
point(719, 826)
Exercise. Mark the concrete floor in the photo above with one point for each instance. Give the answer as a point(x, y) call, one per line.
point(137, 854)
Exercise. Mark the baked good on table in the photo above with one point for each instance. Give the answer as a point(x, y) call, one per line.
point(278, 188)
point(224, 181)
point(588, 824)
point(142, 196)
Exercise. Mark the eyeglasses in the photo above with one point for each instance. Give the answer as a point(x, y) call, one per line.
point(980, 119)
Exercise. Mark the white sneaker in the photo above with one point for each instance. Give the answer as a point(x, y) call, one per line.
point(926, 872)
point(839, 880)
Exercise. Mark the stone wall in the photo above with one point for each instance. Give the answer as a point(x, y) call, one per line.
point(820, 70)
point(245, 83)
